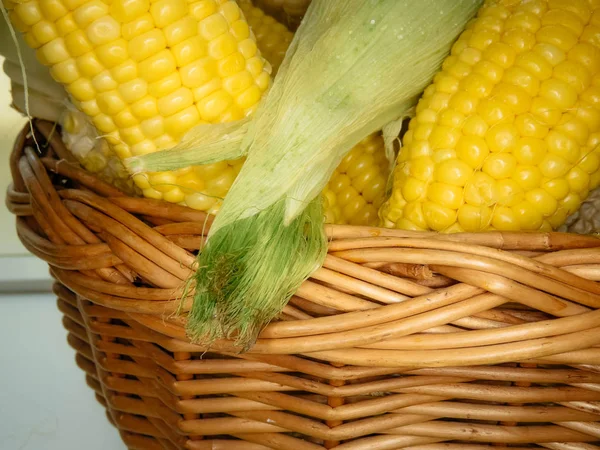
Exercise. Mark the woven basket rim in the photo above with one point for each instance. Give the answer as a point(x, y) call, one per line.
point(366, 316)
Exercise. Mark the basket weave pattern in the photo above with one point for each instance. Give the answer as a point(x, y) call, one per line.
point(402, 339)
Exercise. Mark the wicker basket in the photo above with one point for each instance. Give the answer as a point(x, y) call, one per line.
point(402, 340)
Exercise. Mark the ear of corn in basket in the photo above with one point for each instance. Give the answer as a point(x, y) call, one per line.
point(353, 67)
point(506, 137)
point(201, 187)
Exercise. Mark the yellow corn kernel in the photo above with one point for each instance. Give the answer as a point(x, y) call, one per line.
point(514, 97)
point(545, 111)
point(137, 26)
point(528, 177)
point(133, 90)
point(65, 72)
point(198, 73)
point(115, 54)
point(188, 51)
point(501, 137)
point(104, 123)
point(563, 146)
point(519, 39)
point(165, 12)
point(453, 172)
point(214, 105)
point(494, 112)
point(177, 124)
point(103, 30)
point(527, 215)
point(522, 78)
point(459, 70)
point(499, 165)
point(530, 126)
point(152, 193)
point(557, 188)
point(29, 13)
point(88, 12)
point(44, 32)
point(504, 219)
point(523, 20)
point(587, 55)
point(174, 195)
point(203, 9)
point(143, 148)
point(508, 192)
point(477, 85)
point(554, 166)
point(167, 85)
point(559, 93)
point(570, 203)
point(551, 53)
point(180, 30)
point(104, 82)
point(591, 161)
point(438, 217)
point(474, 218)
point(128, 10)
point(565, 18)
point(157, 66)
point(174, 102)
point(66, 25)
point(146, 44)
point(501, 54)
point(529, 151)
point(573, 127)
point(125, 119)
point(558, 35)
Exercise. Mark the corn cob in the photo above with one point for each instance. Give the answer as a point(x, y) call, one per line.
point(506, 137)
point(200, 187)
point(145, 73)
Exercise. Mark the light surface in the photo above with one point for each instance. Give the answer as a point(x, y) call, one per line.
point(45, 402)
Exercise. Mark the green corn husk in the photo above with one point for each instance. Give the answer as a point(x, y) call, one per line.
point(353, 67)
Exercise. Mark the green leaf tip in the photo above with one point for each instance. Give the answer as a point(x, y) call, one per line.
point(245, 277)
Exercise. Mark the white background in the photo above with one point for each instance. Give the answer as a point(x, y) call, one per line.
point(45, 403)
